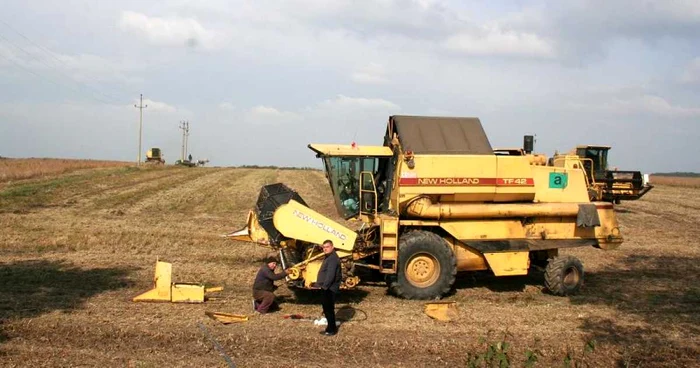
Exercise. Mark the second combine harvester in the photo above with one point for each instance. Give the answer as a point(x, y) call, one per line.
point(435, 200)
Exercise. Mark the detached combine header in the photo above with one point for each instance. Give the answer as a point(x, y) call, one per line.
point(436, 199)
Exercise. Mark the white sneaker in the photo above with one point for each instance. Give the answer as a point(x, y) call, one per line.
point(324, 322)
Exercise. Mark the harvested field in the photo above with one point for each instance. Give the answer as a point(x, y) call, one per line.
point(27, 168)
point(77, 247)
point(675, 181)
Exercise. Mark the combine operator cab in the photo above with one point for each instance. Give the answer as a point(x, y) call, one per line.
point(357, 178)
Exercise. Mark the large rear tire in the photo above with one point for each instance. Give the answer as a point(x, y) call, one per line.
point(427, 267)
point(563, 275)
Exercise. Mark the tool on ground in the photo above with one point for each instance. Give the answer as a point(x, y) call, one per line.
point(441, 311)
point(298, 317)
point(227, 318)
point(216, 344)
point(165, 290)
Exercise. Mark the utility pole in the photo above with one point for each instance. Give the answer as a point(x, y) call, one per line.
point(140, 106)
point(187, 140)
point(185, 126)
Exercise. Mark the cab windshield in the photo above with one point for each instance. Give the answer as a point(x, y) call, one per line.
point(344, 177)
point(599, 156)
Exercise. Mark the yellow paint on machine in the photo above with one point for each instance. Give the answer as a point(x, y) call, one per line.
point(508, 263)
point(296, 221)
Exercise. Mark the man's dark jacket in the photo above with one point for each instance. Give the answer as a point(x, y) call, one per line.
point(330, 276)
point(265, 279)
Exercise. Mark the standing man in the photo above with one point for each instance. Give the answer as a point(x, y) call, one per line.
point(328, 280)
point(264, 285)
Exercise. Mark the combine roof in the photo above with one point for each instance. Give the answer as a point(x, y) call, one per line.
point(439, 135)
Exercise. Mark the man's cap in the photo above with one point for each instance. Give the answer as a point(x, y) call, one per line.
point(270, 259)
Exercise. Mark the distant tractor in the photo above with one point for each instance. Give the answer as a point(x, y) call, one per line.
point(155, 156)
point(187, 163)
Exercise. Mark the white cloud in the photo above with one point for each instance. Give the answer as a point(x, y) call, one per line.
point(345, 103)
point(632, 101)
point(172, 31)
point(227, 106)
point(157, 106)
point(372, 73)
point(660, 106)
point(269, 115)
point(493, 40)
point(691, 74)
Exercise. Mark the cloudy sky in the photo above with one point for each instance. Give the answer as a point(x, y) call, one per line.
point(259, 80)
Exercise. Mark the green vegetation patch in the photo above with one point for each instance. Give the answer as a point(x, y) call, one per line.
point(41, 192)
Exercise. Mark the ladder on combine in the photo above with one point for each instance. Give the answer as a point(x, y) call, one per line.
point(389, 250)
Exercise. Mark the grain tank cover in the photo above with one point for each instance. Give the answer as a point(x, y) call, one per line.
point(441, 135)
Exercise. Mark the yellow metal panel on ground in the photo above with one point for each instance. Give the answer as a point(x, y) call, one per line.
point(296, 221)
point(188, 293)
point(162, 281)
point(442, 311)
point(508, 263)
point(227, 318)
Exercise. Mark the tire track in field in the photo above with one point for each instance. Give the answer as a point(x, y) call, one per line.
point(192, 196)
point(241, 195)
point(108, 183)
point(125, 196)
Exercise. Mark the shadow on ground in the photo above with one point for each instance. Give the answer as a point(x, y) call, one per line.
point(487, 279)
point(31, 288)
point(303, 296)
point(661, 297)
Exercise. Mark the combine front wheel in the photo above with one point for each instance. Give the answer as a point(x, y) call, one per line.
point(563, 275)
point(427, 267)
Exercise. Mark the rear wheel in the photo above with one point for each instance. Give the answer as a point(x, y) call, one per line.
point(427, 267)
point(564, 275)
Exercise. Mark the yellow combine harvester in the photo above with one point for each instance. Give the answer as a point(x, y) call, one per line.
point(603, 184)
point(155, 156)
point(435, 200)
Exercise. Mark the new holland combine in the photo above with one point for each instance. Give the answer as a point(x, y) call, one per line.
point(435, 199)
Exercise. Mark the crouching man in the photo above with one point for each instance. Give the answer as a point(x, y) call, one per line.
point(264, 285)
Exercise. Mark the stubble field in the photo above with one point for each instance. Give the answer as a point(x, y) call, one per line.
point(77, 245)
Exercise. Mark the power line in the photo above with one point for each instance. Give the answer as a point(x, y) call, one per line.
point(52, 54)
point(60, 71)
point(31, 72)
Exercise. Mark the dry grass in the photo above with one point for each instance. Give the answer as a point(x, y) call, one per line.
point(675, 181)
point(75, 251)
point(27, 168)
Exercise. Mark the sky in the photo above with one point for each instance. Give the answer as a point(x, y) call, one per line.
point(260, 80)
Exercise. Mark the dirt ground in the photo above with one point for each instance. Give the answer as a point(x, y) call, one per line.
point(77, 247)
